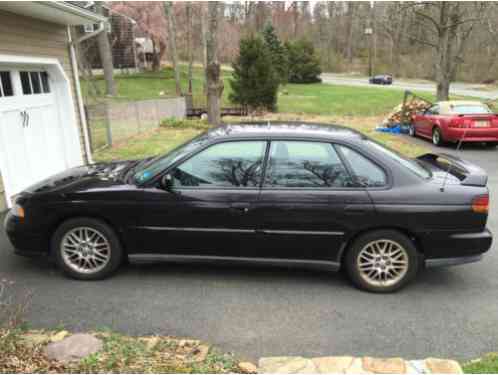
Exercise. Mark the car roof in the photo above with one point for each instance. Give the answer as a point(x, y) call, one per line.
point(292, 129)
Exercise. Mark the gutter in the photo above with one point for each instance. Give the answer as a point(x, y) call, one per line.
point(79, 97)
point(73, 9)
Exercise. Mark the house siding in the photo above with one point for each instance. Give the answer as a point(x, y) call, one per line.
point(31, 37)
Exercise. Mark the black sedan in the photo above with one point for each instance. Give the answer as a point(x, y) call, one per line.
point(381, 79)
point(293, 194)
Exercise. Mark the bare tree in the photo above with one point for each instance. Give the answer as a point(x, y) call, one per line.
point(448, 28)
point(106, 56)
point(190, 46)
point(172, 44)
point(213, 71)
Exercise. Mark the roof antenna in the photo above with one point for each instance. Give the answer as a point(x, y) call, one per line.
point(451, 164)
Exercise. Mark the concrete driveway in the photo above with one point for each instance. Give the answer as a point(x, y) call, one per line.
point(456, 88)
point(449, 312)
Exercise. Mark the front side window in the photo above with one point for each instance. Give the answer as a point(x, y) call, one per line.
point(365, 172)
point(229, 164)
point(434, 110)
point(296, 164)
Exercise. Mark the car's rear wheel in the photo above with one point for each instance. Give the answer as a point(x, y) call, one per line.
point(382, 261)
point(86, 249)
point(437, 137)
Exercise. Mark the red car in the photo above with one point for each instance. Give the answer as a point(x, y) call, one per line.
point(454, 121)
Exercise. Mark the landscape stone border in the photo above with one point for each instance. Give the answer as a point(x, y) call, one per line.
point(356, 365)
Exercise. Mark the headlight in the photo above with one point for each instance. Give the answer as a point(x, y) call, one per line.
point(17, 210)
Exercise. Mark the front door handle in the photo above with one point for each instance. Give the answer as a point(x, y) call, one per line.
point(242, 207)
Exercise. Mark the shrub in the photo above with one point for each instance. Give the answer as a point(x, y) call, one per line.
point(278, 53)
point(304, 64)
point(254, 80)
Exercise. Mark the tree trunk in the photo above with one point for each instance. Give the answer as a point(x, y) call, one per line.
point(350, 33)
point(190, 48)
point(214, 86)
point(105, 56)
point(172, 44)
point(204, 46)
point(156, 57)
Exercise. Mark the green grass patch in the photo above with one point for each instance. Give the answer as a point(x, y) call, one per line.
point(485, 365)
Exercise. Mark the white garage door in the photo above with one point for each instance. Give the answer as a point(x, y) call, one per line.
point(31, 134)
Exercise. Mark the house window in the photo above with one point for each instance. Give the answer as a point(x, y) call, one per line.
point(34, 83)
point(6, 84)
point(89, 28)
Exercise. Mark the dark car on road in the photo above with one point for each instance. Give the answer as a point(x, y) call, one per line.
point(292, 194)
point(381, 79)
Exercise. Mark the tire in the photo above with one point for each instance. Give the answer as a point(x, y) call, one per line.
point(411, 131)
point(491, 144)
point(86, 249)
point(437, 137)
point(377, 275)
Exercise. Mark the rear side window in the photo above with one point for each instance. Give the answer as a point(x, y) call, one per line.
point(296, 164)
point(365, 172)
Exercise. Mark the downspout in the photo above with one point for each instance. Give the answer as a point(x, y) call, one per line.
point(79, 97)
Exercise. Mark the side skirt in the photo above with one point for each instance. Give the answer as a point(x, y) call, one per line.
point(297, 263)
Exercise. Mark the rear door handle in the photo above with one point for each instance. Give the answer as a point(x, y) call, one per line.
point(242, 207)
point(354, 210)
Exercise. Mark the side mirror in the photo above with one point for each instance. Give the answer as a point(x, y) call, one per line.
point(167, 182)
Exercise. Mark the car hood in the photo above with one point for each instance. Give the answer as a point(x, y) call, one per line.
point(86, 177)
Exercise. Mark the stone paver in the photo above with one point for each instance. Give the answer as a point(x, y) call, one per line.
point(351, 365)
point(384, 365)
point(332, 365)
point(443, 366)
point(73, 348)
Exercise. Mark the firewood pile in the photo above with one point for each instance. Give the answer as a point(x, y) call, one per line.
point(403, 113)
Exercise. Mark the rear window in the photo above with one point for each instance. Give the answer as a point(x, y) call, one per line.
point(472, 109)
point(411, 164)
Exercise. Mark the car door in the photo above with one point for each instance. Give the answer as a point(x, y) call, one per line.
point(207, 210)
point(427, 120)
point(310, 202)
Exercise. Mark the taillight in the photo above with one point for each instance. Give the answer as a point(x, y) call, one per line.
point(456, 123)
point(480, 204)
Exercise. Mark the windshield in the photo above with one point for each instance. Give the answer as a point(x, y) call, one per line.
point(411, 164)
point(470, 109)
point(160, 163)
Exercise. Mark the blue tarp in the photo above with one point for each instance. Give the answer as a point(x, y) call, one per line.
point(394, 129)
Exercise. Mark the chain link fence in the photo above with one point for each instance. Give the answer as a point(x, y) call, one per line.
point(110, 123)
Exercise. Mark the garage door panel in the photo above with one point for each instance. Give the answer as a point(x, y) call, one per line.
point(18, 171)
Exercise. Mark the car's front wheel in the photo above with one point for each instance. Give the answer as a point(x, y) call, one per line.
point(411, 130)
point(86, 249)
point(382, 261)
point(437, 137)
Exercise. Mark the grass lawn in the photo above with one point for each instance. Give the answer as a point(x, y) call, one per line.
point(316, 99)
point(167, 137)
point(485, 365)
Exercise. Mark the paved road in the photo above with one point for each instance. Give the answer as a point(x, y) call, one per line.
point(447, 312)
point(457, 88)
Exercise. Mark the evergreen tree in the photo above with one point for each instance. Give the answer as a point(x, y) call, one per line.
point(304, 64)
point(278, 53)
point(254, 81)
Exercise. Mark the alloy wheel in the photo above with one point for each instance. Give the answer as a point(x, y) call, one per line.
point(436, 137)
point(411, 130)
point(382, 263)
point(85, 250)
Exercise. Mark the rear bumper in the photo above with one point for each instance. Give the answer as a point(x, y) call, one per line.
point(472, 134)
point(446, 262)
point(443, 248)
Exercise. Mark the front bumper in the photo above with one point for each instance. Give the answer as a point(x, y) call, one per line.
point(25, 240)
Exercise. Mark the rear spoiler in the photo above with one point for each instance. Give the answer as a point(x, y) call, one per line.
point(471, 174)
